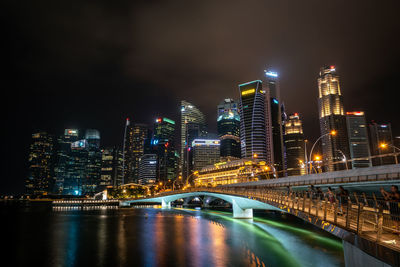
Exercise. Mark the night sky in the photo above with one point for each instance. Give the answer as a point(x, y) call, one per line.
point(91, 64)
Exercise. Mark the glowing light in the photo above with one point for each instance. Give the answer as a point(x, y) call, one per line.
point(271, 73)
point(169, 121)
point(333, 132)
point(255, 155)
point(383, 145)
point(356, 113)
point(275, 101)
point(250, 91)
point(317, 158)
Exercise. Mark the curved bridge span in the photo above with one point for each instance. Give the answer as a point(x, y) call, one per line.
point(242, 206)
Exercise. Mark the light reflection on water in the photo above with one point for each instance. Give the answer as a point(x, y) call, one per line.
point(175, 237)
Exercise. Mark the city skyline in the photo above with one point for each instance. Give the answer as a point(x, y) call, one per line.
point(86, 74)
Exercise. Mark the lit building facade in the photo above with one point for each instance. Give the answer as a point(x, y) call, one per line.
point(134, 149)
point(93, 164)
point(294, 144)
point(40, 179)
point(228, 124)
point(381, 134)
point(111, 167)
point(332, 117)
point(64, 166)
point(164, 139)
point(274, 122)
point(358, 139)
point(230, 172)
point(253, 136)
point(147, 169)
point(205, 152)
point(193, 125)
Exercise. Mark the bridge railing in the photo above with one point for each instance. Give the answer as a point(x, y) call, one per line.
point(375, 219)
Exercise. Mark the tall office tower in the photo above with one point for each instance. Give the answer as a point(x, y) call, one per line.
point(294, 143)
point(205, 152)
point(111, 167)
point(164, 136)
point(64, 161)
point(332, 117)
point(134, 149)
point(193, 125)
point(381, 134)
point(274, 122)
point(228, 124)
point(93, 166)
point(147, 169)
point(76, 181)
point(358, 139)
point(41, 158)
point(253, 135)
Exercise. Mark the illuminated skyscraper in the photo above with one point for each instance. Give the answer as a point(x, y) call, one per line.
point(332, 117)
point(205, 152)
point(111, 167)
point(358, 139)
point(64, 166)
point(147, 169)
point(253, 136)
point(164, 137)
point(193, 125)
point(274, 122)
point(93, 165)
point(228, 123)
point(381, 134)
point(41, 156)
point(134, 149)
point(294, 143)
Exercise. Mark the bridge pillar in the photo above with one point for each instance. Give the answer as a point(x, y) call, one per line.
point(240, 213)
point(165, 205)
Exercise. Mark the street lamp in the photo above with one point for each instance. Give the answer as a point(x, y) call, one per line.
point(333, 133)
point(385, 145)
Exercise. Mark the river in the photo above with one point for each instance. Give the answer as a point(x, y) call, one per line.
point(151, 236)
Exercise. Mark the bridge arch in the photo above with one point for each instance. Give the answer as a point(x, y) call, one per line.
point(242, 207)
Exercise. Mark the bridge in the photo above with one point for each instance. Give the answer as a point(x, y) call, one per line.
point(366, 225)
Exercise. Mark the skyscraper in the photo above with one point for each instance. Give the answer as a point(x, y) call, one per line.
point(41, 156)
point(332, 117)
point(64, 161)
point(164, 137)
point(134, 149)
point(294, 143)
point(111, 167)
point(253, 136)
point(147, 169)
point(358, 139)
point(381, 134)
point(274, 122)
point(93, 165)
point(193, 125)
point(228, 124)
point(205, 152)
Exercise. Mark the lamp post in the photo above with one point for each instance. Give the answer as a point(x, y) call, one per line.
point(333, 132)
point(385, 145)
point(305, 156)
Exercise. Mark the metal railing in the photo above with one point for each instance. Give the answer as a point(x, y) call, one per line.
point(375, 219)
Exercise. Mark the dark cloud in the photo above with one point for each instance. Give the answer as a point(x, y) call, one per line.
point(93, 63)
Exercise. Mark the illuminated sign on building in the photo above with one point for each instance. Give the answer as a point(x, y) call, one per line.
point(78, 144)
point(250, 91)
point(356, 113)
point(205, 142)
point(271, 73)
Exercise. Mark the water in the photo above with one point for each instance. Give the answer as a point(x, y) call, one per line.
point(160, 237)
